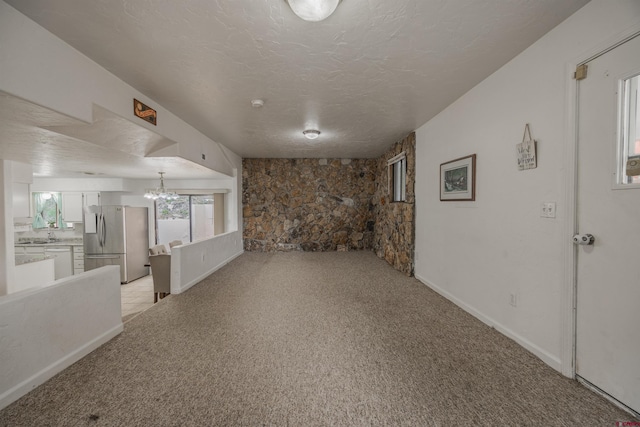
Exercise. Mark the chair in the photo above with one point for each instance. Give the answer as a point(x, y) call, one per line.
point(175, 243)
point(160, 261)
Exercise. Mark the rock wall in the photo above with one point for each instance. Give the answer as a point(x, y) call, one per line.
point(394, 230)
point(308, 204)
point(328, 205)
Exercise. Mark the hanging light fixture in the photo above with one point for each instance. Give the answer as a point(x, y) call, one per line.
point(313, 10)
point(160, 192)
point(311, 133)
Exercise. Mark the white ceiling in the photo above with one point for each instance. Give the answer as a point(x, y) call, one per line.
point(365, 77)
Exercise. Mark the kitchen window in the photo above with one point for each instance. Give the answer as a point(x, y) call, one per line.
point(47, 210)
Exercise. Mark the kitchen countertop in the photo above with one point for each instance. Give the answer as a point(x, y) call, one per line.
point(44, 242)
point(26, 259)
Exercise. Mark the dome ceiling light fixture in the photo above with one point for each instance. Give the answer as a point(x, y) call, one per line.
point(311, 133)
point(313, 10)
point(160, 192)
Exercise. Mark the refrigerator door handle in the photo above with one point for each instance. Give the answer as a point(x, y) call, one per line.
point(104, 231)
point(101, 230)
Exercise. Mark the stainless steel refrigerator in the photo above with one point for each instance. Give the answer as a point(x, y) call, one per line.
point(117, 235)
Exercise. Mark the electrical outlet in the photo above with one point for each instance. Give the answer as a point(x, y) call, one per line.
point(548, 210)
point(202, 257)
point(513, 299)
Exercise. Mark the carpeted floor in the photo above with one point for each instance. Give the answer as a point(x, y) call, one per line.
point(306, 339)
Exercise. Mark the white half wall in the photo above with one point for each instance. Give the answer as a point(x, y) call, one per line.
point(44, 330)
point(192, 262)
point(479, 254)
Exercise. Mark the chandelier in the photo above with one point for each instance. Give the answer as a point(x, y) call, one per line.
point(160, 192)
point(313, 10)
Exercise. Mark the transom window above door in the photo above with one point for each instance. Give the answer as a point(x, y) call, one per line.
point(628, 159)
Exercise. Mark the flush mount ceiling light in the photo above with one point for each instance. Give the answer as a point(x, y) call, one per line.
point(257, 103)
point(313, 10)
point(311, 133)
point(160, 192)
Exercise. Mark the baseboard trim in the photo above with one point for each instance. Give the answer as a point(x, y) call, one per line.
point(208, 272)
point(47, 373)
point(607, 396)
point(543, 355)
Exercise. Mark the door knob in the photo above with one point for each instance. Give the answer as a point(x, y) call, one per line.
point(584, 239)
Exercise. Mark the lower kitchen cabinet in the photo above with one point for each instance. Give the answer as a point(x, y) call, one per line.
point(34, 250)
point(65, 259)
point(78, 259)
point(62, 260)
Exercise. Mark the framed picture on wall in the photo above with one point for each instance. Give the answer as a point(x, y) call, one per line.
point(458, 179)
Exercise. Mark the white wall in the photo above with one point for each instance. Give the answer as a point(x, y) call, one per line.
point(7, 263)
point(78, 184)
point(46, 330)
point(478, 253)
point(192, 262)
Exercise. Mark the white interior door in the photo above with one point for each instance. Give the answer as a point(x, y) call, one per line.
point(608, 272)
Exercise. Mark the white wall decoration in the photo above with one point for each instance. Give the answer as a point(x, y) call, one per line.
point(526, 151)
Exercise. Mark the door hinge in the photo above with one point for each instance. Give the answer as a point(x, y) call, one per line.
point(581, 72)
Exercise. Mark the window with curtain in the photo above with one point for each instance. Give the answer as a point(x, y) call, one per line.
point(47, 210)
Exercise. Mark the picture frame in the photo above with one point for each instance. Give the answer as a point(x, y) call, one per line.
point(458, 179)
point(145, 112)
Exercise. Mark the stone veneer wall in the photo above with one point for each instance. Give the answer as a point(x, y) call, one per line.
point(394, 231)
point(308, 204)
point(325, 205)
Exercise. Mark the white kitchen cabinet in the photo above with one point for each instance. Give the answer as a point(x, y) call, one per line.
point(78, 259)
point(21, 200)
point(21, 178)
point(72, 207)
point(74, 202)
point(91, 199)
point(34, 250)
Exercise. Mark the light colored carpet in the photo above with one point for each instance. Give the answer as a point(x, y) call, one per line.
point(305, 339)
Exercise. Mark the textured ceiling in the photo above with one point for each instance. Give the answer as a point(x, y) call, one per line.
point(365, 77)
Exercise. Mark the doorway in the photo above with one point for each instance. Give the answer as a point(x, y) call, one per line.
point(608, 207)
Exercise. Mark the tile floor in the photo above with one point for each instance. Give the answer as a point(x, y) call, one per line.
point(137, 296)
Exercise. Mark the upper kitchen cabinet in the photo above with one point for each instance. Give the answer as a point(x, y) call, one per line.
point(21, 200)
point(72, 207)
point(22, 178)
point(91, 199)
point(74, 202)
